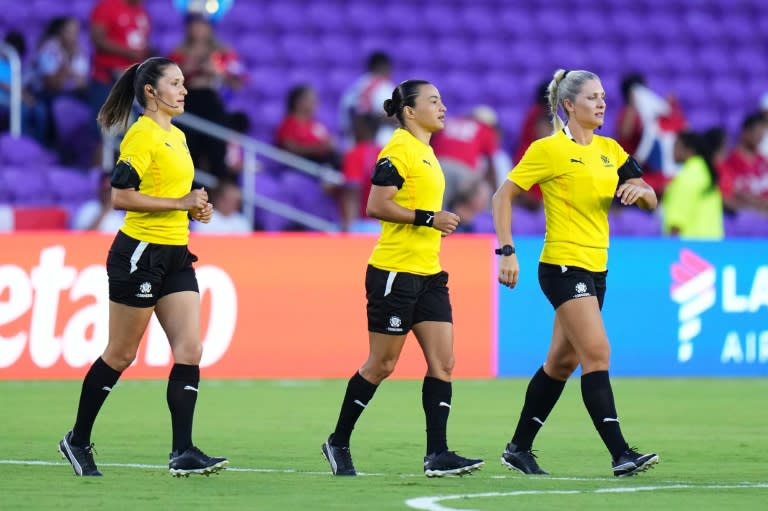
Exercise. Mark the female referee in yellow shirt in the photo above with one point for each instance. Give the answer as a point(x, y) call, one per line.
point(579, 174)
point(405, 285)
point(149, 266)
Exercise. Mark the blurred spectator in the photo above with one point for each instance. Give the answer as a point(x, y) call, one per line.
point(33, 112)
point(646, 128)
point(536, 124)
point(744, 173)
point(763, 147)
point(465, 149)
point(119, 31)
point(301, 133)
point(98, 213)
point(234, 157)
point(692, 205)
point(468, 203)
point(227, 215)
point(366, 96)
point(59, 68)
point(357, 165)
point(209, 67)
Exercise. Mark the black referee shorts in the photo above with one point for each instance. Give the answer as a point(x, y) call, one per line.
point(399, 300)
point(563, 283)
point(140, 273)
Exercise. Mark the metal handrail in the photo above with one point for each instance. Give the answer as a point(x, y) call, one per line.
point(14, 61)
point(253, 147)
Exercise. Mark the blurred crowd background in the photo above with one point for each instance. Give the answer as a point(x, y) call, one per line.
point(294, 90)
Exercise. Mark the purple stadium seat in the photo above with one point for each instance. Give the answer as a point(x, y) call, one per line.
point(268, 184)
point(73, 128)
point(27, 188)
point(528, 222)
point(72, 185)
point(23, 151)
point(306, 193)
point(633, 221)
point(746, 223)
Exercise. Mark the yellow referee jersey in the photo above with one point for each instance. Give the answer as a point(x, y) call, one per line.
point(404, 247)
point(578, 184)
point(162, 161)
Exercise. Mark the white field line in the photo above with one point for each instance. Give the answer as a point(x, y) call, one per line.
point(433, 503)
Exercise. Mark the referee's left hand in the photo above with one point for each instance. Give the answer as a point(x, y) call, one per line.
point(203, 214)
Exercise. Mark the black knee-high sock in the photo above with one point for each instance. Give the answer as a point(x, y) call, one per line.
point(436, 400)
point(97, 385)
point(182, 397)
point(359, 392)
point(541, 396)
point(598, 398)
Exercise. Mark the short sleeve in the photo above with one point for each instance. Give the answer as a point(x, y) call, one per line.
point(135, 150)
point(535, 167)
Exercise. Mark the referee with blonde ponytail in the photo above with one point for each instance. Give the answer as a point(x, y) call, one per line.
point(579, 173)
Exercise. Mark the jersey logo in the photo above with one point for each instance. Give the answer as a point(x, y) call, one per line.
point(168, 145)
point(427, 162)
point(606, 161)
point(574, 160)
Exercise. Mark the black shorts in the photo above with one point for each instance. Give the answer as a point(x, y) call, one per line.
point(399, 300)
point(140, 273)
point(563, 283)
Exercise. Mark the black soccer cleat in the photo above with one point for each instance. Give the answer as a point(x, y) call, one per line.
point(449, 463)
point(194, 461)
point(520, 460)
point(632, 462)
point(339, 457)
point(80, 457)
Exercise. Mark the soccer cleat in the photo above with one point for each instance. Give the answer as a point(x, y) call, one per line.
point(449, 463)
point(80, 457)
point(194, 461)
point(522, 461)
point(632, 462)
point(339, 457)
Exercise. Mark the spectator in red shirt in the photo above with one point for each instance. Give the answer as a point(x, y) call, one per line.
point(536, 124)
point(357, 165)
point(744, 173)
point(301, 133)
point(120, 35)
point(209, 68)
point(465, 149)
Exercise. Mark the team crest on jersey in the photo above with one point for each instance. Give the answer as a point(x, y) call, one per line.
point(606, 161)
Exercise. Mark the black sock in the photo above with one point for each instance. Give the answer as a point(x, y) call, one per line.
point(182, 397)
point(97, 385)
point(541, 396)
point(436, 400)
point(598, 398)
point(359, 392)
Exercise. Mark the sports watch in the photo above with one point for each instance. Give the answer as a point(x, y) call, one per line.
point(506, 250)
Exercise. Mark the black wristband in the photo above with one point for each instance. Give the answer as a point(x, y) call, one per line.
point(424, 217)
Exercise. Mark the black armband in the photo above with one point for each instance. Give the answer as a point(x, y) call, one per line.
point(629, 170)
point(423, 217)
point(125, 176)
point(386, 174)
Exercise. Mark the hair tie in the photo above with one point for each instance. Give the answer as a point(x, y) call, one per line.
point(565, 74)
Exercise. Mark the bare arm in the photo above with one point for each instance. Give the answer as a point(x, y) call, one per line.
point(381, 205)
point(635, 190)
point(501, 205)
point(131, 199)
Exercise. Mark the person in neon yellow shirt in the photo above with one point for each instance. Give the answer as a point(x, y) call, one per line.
point(692, 205)
point(580, 173)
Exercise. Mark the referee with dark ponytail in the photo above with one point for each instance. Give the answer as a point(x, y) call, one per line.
point(149, 266)
point(405, 284)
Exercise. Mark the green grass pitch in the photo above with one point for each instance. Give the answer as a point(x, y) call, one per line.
point(710, 434)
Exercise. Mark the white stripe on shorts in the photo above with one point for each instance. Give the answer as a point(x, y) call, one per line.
point(390, 281)
point(137, 255)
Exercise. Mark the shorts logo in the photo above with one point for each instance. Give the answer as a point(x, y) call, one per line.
point(581, 290)
point(395, 324)
point(145, 290)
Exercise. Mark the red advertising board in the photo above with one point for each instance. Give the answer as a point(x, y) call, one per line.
point(273, 306)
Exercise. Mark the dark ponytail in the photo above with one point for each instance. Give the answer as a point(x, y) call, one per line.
point(706, 145)
point(116, 110)
point(403, 95)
